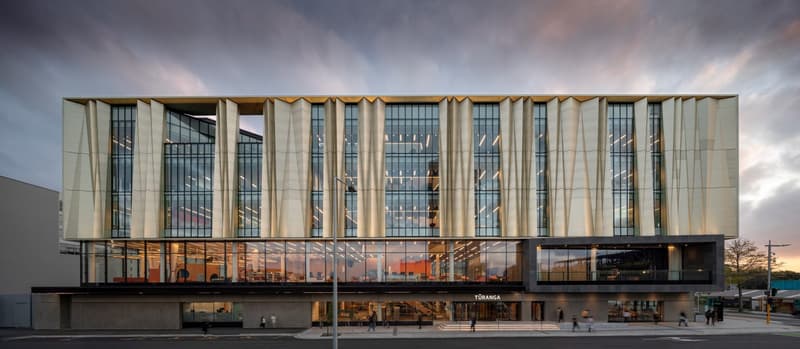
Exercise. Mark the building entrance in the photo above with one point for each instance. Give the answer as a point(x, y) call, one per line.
point(486, 311)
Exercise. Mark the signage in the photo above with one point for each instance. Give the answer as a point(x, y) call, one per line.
point(487, 297)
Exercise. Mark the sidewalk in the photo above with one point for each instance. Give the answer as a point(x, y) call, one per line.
point(492, 329)
point(550, 329)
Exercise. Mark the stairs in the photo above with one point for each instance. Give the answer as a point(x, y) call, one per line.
point(483, 326)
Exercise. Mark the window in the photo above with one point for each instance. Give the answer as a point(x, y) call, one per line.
point(317, 159)
point(248, 156)
point(656, 147)
point(123, 123)
point(412, 170)
point(188, 176)
point(351, 169)
point(486, 142)
point(542, 202)
point(620, 134)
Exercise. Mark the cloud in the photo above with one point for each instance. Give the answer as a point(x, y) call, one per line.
point(144, 48)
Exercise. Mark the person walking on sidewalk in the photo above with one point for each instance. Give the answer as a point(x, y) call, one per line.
point(419, 321)
point(708, 316)
point(713, 318)
point(560, 315)
point(575, 323)
point(373, 319)
point(472, 322)
point(682, 320)
point(590, 322)
point(263, 321)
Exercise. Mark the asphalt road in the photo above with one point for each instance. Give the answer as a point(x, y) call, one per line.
point(701, 342)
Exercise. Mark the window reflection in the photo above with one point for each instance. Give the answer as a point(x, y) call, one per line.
point(620, 136)
point(486, 144)
point(302, 261)
point(412, 171)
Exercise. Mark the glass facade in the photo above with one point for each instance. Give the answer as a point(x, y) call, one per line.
point(317, 163)
point(635, 310)
point(311, 261)
point(542, 180)
point(486, 142)
point(351, 169)
point(123, 124)
point(656, 145)
point(620, 136)
point(412, 170)
point(188, 176)
point(248, 156)
point(621, 264)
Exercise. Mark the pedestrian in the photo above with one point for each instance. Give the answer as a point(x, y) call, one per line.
point(204, 327)
point(419, 321)
point(682, 320)
point(263, 322)
point(590, 322)
point(472, 322)
point(656, 316)
point(713, 318)
point(560, 314)
point(575, 323)
point(373, 319)
point(273, 320)
point(708, 316)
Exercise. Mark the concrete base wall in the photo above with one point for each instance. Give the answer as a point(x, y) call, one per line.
point(52, 311)
point(125, 314)
point(46, 311)
point(287, 314)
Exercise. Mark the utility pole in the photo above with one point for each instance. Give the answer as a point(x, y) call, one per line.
point(769, 275)
point(336, 182)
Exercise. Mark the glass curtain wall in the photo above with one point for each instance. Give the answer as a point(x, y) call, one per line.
point(317, 160)
point(393, 261)
point(656, 145)
point(123, 124)
point(248, 156)
point(412, 170)
point(620, 134)
point(351, 169)
point(542, 180)
point(486, 142)
point(188, 176)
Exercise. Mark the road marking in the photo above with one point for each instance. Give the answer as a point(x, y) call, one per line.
point(676, 339)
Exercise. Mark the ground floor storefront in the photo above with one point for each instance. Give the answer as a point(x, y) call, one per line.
point(93, 311)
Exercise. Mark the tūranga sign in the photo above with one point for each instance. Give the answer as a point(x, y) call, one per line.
point(480, 297)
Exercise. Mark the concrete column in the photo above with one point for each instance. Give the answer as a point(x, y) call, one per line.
point(333, 165)
point(517, 179)
point(456, 167)
point(226, 180)
point(675, 261)
point(644, 170)
point(371, 194)
point(286, 192)
point(86, 171)
point(147, 216)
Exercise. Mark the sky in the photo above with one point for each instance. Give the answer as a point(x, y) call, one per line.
point(55, 49)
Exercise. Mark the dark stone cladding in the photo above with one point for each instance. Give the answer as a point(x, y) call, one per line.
point(530, 259)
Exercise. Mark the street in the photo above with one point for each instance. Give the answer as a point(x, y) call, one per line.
point(787, 340)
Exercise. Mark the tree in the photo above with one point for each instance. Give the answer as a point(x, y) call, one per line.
point(742, 257)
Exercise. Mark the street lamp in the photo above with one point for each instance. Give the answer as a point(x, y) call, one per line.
point(769, 273)
point(336, 182)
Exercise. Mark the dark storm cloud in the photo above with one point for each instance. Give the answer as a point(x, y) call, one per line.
point(53, 49)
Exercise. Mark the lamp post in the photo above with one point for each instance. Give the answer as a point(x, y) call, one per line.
point(336, 182)
point(769, 274)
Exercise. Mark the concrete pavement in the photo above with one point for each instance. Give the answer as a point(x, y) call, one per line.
point(733, 325)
